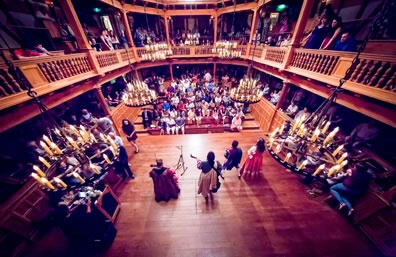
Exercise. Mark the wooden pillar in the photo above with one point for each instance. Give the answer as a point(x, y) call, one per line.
point(282, 95)
point(298, 31)
point(214, 72)
point(171, 71)
point(167, 30)
point(215, 30)
point(75, 25)
point(128, 32)
point(255, 20)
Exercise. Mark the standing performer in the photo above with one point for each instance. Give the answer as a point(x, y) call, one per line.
point(165, 182)
point(208, 182)
point(147, 118)
point(253, 164)
point(130, 133)
point(234, 156)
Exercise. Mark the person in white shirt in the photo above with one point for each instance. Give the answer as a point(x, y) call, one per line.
point(180, 124)
point(274, 97)
point(215, 115)
point(190, 105)
point(175, 100)
point(207, 77)
point(303, 114)
point(218, 100)
point(173, 114)
point(174, 84)
point(292, 109)
point(236, 123)
point(171, 126)
point(116, 139)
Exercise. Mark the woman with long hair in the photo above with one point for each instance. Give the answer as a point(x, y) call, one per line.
point(208, 182)
point(333, 34)
point(130, 133)
point(318, 34)
point(254, 163)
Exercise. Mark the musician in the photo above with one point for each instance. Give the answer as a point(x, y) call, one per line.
point(208, 182)
point(165, 182)
point(180, 122)
point(147, 118)
point(171, 126)
point(233, 156)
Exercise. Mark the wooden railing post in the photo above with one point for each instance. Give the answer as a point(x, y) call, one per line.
point(171, 71)
point(215, 30)
point(167, 30)
point(128, 34)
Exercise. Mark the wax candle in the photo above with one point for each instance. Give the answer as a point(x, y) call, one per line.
point(44, 162)
point(113, 143)
point(45, 147)
point(106, 159)
point(300, 130)
point(103, 138)
point(271, 141)
point(321, 167)
point(80, 140)
point(38, 178)
point(94, 168)
point(300, 122)
point(287, 157)
point(342, 158)
point(302, 165)
point(57, 132)
point(326, 127)
point(295, 125)
point(112, 150)
point(60, 182)
point(329, 137)
point(342, 165)
point(273, 134)
point(314, 119)
point(47, 183)
point(336, 151)
point(83, 129)
point(93, 138)
point(278, 148)
point(315, 135)
point(333, 169)
point(56, 148)
point(72, 142)
point(84, 136)
point(74, 130)
point(46, 139)
point(281, 129)
point(77, 176)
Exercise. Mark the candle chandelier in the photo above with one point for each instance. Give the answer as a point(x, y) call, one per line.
point(138, 94)
point(247, 92)
point(309, 146)
point(156, 52)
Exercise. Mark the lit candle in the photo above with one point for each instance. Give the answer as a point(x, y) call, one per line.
point(315, 135)
point(112, 143)
point(57, 132)
point(281, 129)
point(74, 130)
point(38, 178)
point(342, 158)
point(44, 162)
point(45, 147)
point(314, 119)
point(94, 169)
point(80, 140)
point(84, 136)
point(60, 182)
point(333, 169)
point(326, 127)
point(302, 165)
point(328, 138)
point(93, 138)
point(337, 150)
point(287, 157)
point(321, 167)
point(39, 171)
point(83, 129)
point(47, 183)
point(295, 125)
point(56, 148)
point(342, 165)
point(106, 159)
point(77, 176)
point(46, 139)
point(273, 134)
point(299, 133)
point(278, 148)
point(103, 138)
point(112, 150)
point(72, 142)
point(271, 141)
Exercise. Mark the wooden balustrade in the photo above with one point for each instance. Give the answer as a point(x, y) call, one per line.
point(182, 50)
point(243, 49)
point(257, 51)
point(107, 58)
point(275, 54)
point(203, 50)
point(8, 84)
point(140, 51)
point(322, 62)
point(127, 53)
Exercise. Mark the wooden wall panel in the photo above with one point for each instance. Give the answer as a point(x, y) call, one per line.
point(278, 120)
point(262, 113)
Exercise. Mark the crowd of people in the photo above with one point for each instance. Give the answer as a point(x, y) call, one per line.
point(191, 99)
point(142, 37)
point(191, 38)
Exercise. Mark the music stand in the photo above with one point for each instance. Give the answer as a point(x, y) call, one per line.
point(180, 163)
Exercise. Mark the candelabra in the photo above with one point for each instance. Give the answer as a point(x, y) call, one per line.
point(156, 52)
point(248, 92)
point(227, 50)
point(138, 94)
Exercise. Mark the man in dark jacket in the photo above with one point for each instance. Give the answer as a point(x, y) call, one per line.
point(147, 118)
point(233, 156)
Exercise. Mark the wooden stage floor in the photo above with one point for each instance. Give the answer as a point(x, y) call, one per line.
point(272, 216)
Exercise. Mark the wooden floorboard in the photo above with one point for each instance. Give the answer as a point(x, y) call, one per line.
point(272, 216)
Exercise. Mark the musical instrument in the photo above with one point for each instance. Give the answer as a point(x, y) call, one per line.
point(196, 158)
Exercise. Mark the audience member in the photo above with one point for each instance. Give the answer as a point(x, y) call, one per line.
point(346, 43)
point(316, 37)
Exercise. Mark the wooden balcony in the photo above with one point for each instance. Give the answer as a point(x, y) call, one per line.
point(374, 76)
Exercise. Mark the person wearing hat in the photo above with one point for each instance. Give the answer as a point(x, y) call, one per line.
point(165, 182)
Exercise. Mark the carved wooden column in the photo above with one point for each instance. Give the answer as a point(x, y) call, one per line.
point(283, 94)
point(82, 41)
point(167, 30)
point(255, 20)
point(214, 72)
point(215, 30)
point(128, 33)
point(298, 31)
point(105, 107)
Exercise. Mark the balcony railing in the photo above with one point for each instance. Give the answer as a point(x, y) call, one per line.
point(374, 76)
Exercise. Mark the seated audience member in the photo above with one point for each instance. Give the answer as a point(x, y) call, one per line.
point(171, 126)
point(147, 118)
point(106, 43)
point(274, 97)
point(94, 44)
point(173, 114)
point(303, 114)
point(106, 125)
point(353, 186)
point(87, 119)
point(346, 43)
point(292, 109)
point(191, 116)
point(223, 114)
point(215, 115)
point(205, 109)
point(198, 116)
point(25, 52)
point(362, 134)
point(38, 47)
point(236, 123)
point(166, 106)
point(180, 124)
point(163, 125)
point(116, 139)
